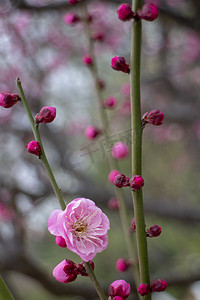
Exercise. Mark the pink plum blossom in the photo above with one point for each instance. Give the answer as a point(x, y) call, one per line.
point(136, 182)
point(83, 226)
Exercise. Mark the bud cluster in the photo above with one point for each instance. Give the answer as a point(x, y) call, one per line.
point(120, 180)
point(159, 285)
point(67, 270)
point(149, 12)
point(153, 231)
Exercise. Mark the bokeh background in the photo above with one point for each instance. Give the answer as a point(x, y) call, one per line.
point(40, 48)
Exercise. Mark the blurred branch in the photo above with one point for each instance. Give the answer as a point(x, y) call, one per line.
point(24, 264)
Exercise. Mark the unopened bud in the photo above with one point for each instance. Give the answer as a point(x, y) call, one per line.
point(158, 285)
point(144, 289)
point(125, 12)
point(136, 182)
point(154, 117)
point(46, 115)
point(8, 100)
point(154, 231)
point(34, 148)
point(149, 12)
point(118, 63)
point(91, 132)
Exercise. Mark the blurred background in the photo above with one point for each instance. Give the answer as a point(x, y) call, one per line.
point(38, 46)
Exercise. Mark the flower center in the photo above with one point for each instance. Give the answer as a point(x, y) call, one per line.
point(79, 229)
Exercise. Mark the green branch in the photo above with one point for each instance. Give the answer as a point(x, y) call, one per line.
point(136, 130)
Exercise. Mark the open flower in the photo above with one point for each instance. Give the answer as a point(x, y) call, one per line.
point(83, 226)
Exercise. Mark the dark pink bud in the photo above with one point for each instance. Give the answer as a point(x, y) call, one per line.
point(122, 264)
point(71, 19)
point(87, 60)
point(133, 225)
point(113, 204)
point(118, 63)
point(34, 148)
point(125, 12)
point(154, 117)
point(60, 241)
point(158, 285)
point(119, 288)
point(8, 100)
point(91, 132)
point(149, 12)
point(82, 270)
point(109, 102)
point(121, 180)
point(136, 182)
point(120, 150)
point(154, 231)
point(46, 115)
point(144, 289)
point(112, 175)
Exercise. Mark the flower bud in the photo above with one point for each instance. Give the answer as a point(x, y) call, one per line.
point(154, 117)
point(122, 264)
point(120, 150)
point(136, 182)
point(121, 180)
point(118, 63)
point(154, 231)
point(60, 241)
point(109, 102)
point(149, 12)
point(87, 60)
point(91, 132)
point(119, 288)
point(113, 204)
point(144, 289)
point(46, 115)
point(82, 270)
point(158, 285)
point(8, 100)
point(65, 271)
point(125, 12)
point(112, 174)
point(34, 148)
point(71, 19)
